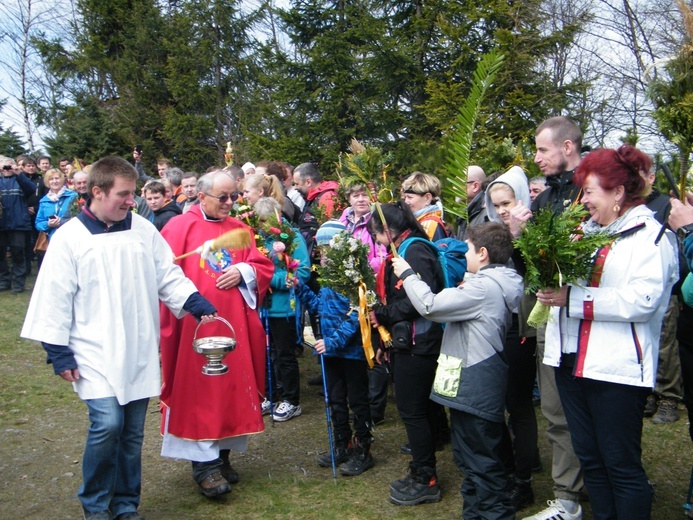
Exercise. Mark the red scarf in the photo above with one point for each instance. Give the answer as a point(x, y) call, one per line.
point(380, 288)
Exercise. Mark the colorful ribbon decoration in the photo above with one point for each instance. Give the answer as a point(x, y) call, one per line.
point(365, 323)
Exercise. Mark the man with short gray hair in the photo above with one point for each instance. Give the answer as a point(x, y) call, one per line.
point(476, 205)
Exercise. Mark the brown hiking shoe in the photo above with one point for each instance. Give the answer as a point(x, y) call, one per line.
point(214, 485)
point(667, 412)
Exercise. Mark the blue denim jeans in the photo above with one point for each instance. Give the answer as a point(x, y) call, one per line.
point(605, 422)
point(112, 463)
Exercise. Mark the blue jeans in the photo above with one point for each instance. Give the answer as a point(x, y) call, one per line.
point(605, 422)
point(112, 463)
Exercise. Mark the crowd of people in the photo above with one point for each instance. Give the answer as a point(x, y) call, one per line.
point(463, 364)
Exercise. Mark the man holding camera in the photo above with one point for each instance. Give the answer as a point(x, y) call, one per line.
point(15, 224)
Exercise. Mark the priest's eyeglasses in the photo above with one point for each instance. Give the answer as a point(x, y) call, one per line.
point(224, 198)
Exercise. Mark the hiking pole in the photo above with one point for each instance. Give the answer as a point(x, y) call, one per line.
point(265, 323)
point(318, 335)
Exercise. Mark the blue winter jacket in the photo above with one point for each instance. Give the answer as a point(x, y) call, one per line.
point(340, 329)
point(47, 208)
point(16, 190)
point(280, 305)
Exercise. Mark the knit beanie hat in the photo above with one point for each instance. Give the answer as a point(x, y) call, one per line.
point(327, 231)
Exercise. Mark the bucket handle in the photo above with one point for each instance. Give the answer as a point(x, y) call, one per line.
point(218, 318)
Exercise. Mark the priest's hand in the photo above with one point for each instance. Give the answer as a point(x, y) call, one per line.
point(231, 278)
point(70, 375)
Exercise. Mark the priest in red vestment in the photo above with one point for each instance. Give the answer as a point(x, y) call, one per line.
point(203, 416)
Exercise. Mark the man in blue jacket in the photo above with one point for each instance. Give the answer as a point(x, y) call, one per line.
point(15, 224)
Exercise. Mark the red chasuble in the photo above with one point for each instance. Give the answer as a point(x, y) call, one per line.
point(213, 407)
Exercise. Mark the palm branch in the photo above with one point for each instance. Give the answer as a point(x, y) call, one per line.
point(459, 144)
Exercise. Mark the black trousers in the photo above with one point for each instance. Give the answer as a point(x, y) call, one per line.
point(414, 377)
point(347, 388)
point(15, 277)
point(476, 450)
point(286, 379)
point(684, 335)
point(378, 384)
point(520, 451)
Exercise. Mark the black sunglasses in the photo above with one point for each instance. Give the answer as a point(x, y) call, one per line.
point(224, 198)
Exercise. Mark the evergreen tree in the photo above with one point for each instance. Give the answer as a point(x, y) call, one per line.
point(11, 145)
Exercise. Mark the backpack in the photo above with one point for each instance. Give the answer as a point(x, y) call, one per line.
point(308, 226)
point(450, 252)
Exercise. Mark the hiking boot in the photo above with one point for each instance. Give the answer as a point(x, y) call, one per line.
point(130, 516)
point(214, 485)
point(399, 485)
point(101, 515)
point(265, 407)
point(667, 412)
point(229, 474)
point(341, 454)
point(360, 460)
point(227, 471)
point(521, 494)
point(422, 489)
point(556, 511)
point(650, 406)
point(286, 411)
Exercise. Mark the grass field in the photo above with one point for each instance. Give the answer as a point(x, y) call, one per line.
point(43, 428)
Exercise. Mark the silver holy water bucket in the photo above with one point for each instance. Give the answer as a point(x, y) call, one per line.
point(215, 348)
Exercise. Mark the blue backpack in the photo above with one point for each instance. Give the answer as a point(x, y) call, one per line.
point(450, 252)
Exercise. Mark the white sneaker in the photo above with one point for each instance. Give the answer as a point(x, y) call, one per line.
point(286, 411)
point(556, 511)
point(265, 407)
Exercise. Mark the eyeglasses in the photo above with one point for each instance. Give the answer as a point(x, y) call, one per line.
point(7, 167)
point(224, 198)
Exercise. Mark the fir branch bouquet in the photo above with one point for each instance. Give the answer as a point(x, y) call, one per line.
point(368, 165)
point(344, 266)
point(557, 252)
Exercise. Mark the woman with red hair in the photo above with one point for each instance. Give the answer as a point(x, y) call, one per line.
point(603, 337)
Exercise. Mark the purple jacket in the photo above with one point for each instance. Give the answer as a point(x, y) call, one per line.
point(376, 252)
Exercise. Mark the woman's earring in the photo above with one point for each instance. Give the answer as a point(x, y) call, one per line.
point(617, 208)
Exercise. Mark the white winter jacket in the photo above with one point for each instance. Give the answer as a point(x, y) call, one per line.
point(614, 328)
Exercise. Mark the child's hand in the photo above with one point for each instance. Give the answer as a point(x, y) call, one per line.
point(519, 215)
point(400, 265)
point(319, 346)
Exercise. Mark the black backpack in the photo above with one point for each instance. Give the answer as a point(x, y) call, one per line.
point(308, 226)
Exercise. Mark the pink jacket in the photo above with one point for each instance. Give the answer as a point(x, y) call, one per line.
point(377, 252)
